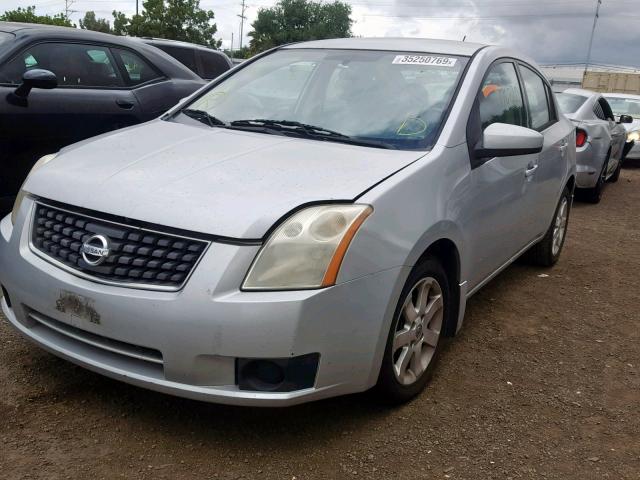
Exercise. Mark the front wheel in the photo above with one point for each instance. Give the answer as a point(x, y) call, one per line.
point(414, 340)
point(547, 252)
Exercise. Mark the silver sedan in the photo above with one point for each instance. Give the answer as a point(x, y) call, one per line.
point(600, 140)
point(310, 224)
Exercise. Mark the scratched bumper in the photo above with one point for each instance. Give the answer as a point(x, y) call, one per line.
point(199, 332)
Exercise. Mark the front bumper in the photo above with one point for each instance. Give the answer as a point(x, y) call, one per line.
point(200, 332)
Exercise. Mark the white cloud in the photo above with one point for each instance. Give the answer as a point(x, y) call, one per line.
point(548, 30)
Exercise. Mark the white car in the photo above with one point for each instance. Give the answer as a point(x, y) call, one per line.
point(310, 224)
point(625, 104)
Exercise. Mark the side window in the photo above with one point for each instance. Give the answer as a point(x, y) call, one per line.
point(606, 110)
point(137, 70)
point(500, 98)
point(74, 64)
point(598, 112)
point(213, 64)
point(537, 98)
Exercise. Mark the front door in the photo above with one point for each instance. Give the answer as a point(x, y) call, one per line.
point(91, 98)
point(496, 220)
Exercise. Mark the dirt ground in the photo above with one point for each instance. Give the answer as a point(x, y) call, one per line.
point(543, 382)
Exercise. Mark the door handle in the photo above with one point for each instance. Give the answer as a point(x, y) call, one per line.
point(531, 169)
point(126, 104)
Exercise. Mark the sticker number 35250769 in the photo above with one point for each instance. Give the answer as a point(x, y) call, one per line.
point(424, 60)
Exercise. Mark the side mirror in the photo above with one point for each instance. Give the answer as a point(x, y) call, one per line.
point(503, 140)
point(625, 119)
point(36, 78)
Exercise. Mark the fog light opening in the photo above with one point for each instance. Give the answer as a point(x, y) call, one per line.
point(263, 375)
point(277, 374)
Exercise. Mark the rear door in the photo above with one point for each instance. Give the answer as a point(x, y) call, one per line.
point(92, 97)
point(155, 92)
point(546, 181)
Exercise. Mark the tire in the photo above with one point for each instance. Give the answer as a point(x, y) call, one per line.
point(616, 175)
point(547, 252)
point(396, 385)
point(594, 195)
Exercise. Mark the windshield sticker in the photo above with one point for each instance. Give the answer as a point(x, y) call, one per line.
point(424, 60)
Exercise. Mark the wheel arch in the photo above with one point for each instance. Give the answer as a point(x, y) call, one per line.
point(446, 251)
point(571, 184)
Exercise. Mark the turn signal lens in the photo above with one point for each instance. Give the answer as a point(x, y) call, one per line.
point(307, 250)
point(581, 138)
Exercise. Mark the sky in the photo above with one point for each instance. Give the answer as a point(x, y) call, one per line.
point(550, 31)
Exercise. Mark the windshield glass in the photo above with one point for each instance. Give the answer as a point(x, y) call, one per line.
point(570, 103)
point(625, 106)
point(396, 99)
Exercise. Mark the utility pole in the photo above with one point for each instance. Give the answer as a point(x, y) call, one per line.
point(136, 7)
point(593, 31)
point(242, 19)
point(67, 8)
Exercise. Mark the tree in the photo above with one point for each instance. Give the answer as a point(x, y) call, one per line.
point(172, 19)
point(120, 22)
point(90, 22)
point(298, 20)
point(28, 15)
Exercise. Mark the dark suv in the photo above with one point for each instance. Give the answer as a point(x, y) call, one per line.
point(61, 85)
point(205, 62)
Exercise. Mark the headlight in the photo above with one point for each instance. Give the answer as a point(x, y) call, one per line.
point(633, 136)
point(306, 251)
point(21, 194)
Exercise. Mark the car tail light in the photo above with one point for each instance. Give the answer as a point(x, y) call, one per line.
point(581, 137)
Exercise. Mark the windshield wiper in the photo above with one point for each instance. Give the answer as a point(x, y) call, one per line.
point(203, 117)
point(306, 131)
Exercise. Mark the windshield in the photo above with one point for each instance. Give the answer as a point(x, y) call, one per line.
point(396, 99)
point(570, 103)
point(625, 106)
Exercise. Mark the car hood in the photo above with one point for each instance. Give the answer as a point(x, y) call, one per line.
point(211, 180)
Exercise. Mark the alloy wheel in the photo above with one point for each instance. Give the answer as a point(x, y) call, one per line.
point(417, 331)
point(560, 226)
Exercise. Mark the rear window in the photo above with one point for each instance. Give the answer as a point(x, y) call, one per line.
point(185, 56)
point(570, 103)
point(213, 64)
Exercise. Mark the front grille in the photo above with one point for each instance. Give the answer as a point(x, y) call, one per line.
point(137, 256)
point(98, 341)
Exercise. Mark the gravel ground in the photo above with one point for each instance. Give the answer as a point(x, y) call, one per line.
point(543, 382)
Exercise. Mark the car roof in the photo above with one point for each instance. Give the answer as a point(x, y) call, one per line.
point(176, 43)
point(622, 95)
point(32, 30)
point(422, 45)
point(582, 92)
